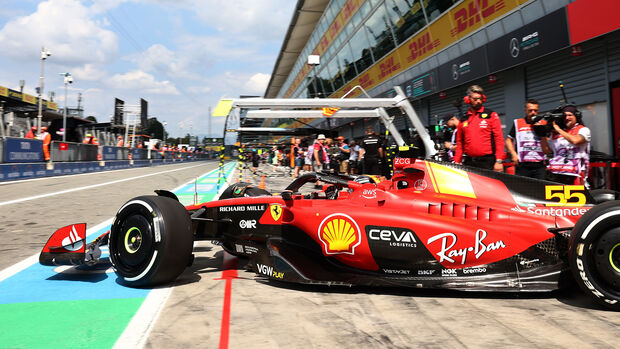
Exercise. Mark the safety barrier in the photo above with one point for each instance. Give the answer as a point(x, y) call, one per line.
point(21, 150)
point(68, 151)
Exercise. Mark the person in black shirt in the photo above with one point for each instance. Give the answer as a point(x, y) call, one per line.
point(371, 152)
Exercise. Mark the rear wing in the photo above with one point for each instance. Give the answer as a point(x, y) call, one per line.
point(288, 108)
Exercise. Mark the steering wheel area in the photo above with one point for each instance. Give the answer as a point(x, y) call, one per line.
point(335, 184)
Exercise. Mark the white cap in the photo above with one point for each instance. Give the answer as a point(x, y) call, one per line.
point(321, 136)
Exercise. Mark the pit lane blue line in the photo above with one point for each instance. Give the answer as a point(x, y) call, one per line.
point(39, 283)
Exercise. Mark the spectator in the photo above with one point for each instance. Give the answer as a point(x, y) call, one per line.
point(570, 144)
point(479, 139)
point(46, 138)
point(119, 141)
point(319, 154)
point(527, 144)
point(343, 155)
point(298, 153)
point(88, 139)
point(31, 134)
point(354, 157)
point(451, 121)
point(371, 153)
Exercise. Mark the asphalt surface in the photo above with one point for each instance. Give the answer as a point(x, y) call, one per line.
point(267, 314)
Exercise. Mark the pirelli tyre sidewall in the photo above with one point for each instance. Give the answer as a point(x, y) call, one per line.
point(594, 253)
point(151, 241)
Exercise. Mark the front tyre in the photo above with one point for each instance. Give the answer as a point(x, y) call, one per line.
point(151, 241)
point(594, 253)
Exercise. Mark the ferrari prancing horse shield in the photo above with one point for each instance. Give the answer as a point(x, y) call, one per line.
point(276, 212)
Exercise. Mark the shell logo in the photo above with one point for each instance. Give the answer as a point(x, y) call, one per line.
point(339, 234)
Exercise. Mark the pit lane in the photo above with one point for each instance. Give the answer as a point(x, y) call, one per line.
point(263, 313)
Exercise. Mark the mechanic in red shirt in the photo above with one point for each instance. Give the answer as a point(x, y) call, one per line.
point(479, 141)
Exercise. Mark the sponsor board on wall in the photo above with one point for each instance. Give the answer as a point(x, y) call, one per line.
point(467, 67)
point(543, 36)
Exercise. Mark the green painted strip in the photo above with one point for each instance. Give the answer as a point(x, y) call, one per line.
point(49, 326)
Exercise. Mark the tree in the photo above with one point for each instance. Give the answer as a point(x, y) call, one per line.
point(155, 128)
point(91, 118)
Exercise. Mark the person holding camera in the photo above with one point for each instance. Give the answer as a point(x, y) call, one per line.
point(570, 144)
point(527, 143)
point(479, 139)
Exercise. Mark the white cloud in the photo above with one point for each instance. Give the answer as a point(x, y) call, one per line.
point(257, 83)
point(143, 82)
point(62, 26)
point(88, 72)
point(247, 19)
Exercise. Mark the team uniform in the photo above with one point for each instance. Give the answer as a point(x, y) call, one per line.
point(529, 149)
point(371, 145)
point(570, 162)
point(479, 139)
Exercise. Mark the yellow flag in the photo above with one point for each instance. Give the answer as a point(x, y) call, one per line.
point(223, 107)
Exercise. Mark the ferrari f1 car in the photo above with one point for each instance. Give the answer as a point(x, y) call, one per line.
point(432, 225)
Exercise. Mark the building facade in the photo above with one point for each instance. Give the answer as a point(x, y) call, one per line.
point(435, 49)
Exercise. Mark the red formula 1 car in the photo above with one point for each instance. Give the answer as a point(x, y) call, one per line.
point(432, 225)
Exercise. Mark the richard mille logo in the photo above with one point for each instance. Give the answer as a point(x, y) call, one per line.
point(514, 47)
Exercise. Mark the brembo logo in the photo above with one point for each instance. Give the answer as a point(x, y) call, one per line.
point(339, 234)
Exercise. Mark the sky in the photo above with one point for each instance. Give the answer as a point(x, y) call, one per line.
point(181, 56)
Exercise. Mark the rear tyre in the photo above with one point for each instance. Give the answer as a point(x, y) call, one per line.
point(594, 253)
point(151, 241)
point(239, 190)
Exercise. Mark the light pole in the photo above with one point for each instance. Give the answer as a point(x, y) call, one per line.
point(68, 80)
point(313, 61)
point(164, 124)
point(44, 54)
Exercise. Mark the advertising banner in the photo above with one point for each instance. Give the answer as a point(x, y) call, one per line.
point(591, 18)
point(467, 67)
point(109, 153)
point(422, 85)
point(538, 38)
point(23, 150)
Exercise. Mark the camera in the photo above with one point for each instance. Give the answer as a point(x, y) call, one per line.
point(556, 116)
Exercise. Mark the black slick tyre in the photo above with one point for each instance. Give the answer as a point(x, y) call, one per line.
point(594, 253)
point(151, 241)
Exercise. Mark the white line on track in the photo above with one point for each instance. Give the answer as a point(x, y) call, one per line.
point(77, 174)
point(137, 331)
point(139, 328)
point(16, 268)
point(91, 186)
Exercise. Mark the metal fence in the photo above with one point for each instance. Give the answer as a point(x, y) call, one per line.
point(31, 150)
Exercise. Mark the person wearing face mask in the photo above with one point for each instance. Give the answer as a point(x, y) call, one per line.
point(570, 144)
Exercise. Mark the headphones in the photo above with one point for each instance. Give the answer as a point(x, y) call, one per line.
point(468, 100)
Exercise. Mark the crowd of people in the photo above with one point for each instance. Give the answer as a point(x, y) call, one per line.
point(555, 147)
